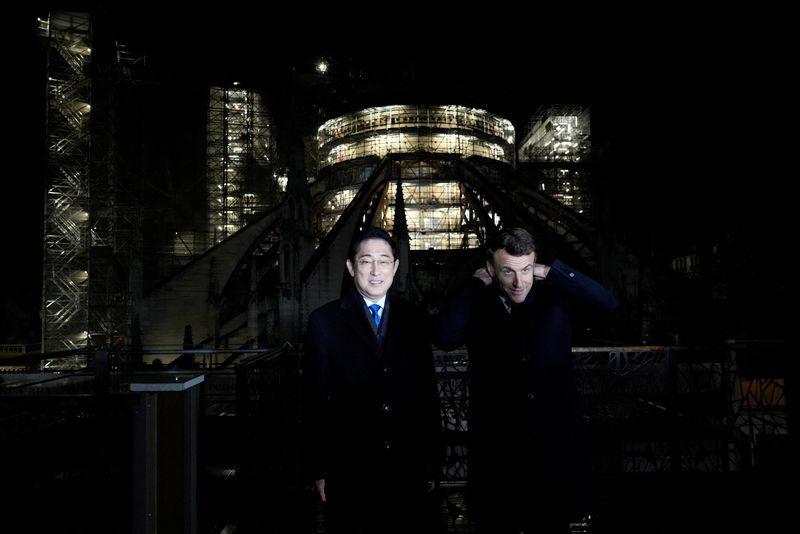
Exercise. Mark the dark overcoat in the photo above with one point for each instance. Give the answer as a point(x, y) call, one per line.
point(525, 419)
point(372, 408)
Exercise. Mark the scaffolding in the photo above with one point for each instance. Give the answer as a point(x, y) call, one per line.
point(115, 257)
point(439, 212)
point(558, 137)
point(403, 129)
point(65, 321)
point(242, 179)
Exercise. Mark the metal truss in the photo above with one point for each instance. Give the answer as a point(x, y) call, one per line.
point(240, 160)
point(67, 240)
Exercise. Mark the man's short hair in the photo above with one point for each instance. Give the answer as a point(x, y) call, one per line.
point(515, 241)
point(371, 232)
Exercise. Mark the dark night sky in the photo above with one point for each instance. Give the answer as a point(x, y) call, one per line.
point(696, 152)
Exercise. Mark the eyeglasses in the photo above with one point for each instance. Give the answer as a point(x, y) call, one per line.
point(365, 263)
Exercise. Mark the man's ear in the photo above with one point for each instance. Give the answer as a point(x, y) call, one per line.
point(350, 267)
point(490, 268)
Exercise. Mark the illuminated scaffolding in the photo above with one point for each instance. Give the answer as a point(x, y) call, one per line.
point(67, 238)
point(241, 178)
point(559, 136)
point(439, 212)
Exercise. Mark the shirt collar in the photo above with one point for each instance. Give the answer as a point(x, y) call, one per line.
point(381, 302)
point(506, 302)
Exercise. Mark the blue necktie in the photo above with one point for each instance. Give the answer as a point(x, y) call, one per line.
point(375, 317)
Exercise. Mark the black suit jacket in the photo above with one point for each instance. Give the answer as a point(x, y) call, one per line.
point(372, 408)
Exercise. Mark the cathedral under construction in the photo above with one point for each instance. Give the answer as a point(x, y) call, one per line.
point(190, 227)
point(260, 238)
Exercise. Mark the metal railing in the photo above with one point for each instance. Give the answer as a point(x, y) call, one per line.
point(649, 408)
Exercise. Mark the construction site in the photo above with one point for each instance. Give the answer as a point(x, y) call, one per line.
point(211, 267)
point(259, 244)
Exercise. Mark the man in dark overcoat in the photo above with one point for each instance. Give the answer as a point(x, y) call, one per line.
point(372, 410)
point(528, 463)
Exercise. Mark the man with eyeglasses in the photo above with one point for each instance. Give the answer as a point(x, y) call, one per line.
point(528, 467)
point(372, 408)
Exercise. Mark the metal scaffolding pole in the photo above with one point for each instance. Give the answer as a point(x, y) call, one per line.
point(66, 240)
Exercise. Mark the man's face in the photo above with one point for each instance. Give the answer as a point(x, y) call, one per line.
point(374, 268)
point(514, 274)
